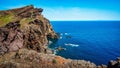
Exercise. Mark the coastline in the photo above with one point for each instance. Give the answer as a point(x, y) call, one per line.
point(24, 42)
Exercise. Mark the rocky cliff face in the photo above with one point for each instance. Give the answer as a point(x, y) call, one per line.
point(24, 36)
point(11, 38)
point(27, 28)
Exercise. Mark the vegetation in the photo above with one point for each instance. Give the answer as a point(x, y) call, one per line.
point(5, 19)
point(25, 21)
point(54, 61)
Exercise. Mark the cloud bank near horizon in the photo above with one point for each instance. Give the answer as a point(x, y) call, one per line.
point(71, 9)
point(76, 13)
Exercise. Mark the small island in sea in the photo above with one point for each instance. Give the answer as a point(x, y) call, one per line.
point(28, 40)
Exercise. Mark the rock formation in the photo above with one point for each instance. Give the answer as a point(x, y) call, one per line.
point(24, 36)
point(29, 29)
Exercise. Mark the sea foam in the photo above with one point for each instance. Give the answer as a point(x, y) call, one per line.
point(73, 45)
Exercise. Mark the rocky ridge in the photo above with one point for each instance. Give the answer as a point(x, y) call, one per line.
point(24, 39)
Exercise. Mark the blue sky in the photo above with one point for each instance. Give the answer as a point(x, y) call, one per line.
point(71, 9)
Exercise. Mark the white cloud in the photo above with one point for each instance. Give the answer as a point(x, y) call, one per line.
point(79, 14)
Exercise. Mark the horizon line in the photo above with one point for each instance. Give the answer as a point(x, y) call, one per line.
point(84, 20)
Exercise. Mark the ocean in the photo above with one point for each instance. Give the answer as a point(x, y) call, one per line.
point(95, 41)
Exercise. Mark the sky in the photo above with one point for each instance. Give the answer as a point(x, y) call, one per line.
point(61, 10)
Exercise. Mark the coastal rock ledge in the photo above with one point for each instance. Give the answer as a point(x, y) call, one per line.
point(24, 39)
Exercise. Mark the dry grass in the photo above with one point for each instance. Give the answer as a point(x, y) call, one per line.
point(6, 19)
point(24, 22)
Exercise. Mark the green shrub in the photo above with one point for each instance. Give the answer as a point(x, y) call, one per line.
point(54, 61)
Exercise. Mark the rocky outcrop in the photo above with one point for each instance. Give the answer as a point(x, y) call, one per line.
point(36, 35)
point(114, 64)
point(31, 59)
point(111, 64)
point(31, 30)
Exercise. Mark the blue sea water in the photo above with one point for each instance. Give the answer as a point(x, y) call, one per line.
point(95, 41)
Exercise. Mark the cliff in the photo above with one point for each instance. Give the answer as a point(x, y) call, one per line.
point(25, 28)
point(24, 36)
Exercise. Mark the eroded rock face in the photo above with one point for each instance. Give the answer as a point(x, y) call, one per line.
point(36, 35)
point(11, 38)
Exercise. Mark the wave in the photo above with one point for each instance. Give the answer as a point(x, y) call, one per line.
point(73, 45)
point(61, 33)
point(60, 37)
point(54, 52)
point(66, 33)
point(50, 42)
